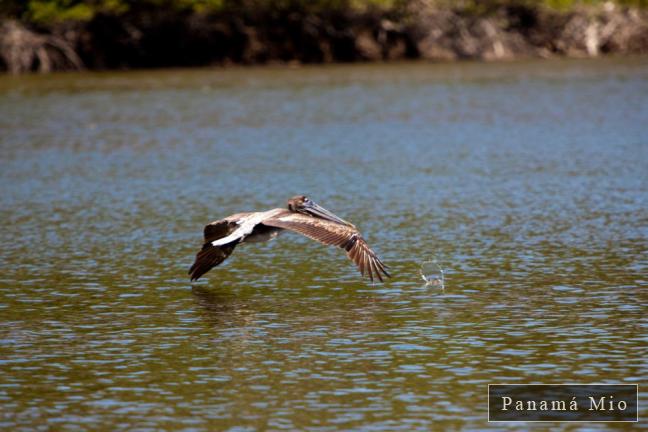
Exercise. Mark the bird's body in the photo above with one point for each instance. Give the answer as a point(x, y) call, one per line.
point(302, 216)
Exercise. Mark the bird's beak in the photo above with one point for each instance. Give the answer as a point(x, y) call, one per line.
point(321, 212)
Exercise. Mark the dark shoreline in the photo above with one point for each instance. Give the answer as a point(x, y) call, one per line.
point(154, 38)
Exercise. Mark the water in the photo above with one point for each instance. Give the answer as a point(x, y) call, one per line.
point(432, 273)
point(528, 182)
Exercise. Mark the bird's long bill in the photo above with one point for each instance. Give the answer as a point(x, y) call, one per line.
point(321, 212)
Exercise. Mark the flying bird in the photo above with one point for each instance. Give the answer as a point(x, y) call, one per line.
point(302, 216)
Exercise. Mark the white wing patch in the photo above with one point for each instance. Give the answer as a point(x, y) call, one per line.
point(246, 226)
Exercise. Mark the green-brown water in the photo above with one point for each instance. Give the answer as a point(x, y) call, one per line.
point(527, 181)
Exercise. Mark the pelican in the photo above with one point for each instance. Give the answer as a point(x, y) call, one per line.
point(302, 216)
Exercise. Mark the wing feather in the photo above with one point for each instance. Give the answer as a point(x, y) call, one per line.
point(223, 227)
point(212, 255)
point(334, 234)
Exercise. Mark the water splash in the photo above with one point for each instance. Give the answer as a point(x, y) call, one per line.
point(432, 273)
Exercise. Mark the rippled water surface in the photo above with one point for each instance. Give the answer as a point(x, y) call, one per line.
point(527, 182)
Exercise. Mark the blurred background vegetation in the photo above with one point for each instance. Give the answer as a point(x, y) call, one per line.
point(46, 35)
point(56, 11)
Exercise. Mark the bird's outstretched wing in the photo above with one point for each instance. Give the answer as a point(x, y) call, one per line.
point(210, 256)
point(335, 234)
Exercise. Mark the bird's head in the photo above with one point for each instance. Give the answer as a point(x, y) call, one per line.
point(303, 204)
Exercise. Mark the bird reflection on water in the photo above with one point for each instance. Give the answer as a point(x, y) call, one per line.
point(226, 310)
point(222, 309)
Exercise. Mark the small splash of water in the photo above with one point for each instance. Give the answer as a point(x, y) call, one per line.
point(432, 273)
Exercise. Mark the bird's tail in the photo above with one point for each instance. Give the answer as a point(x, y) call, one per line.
point(210, 256)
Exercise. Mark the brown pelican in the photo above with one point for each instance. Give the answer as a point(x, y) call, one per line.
point(302, 216)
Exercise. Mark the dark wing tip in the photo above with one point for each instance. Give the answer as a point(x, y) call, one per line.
point(382, 267)
point(199, 268)
point(208, 258)
point(367, 261)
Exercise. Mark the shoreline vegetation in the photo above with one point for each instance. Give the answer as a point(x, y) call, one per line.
point(52, 35)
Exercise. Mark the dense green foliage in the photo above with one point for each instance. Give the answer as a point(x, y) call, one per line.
point(52, 11)
point(43, 11)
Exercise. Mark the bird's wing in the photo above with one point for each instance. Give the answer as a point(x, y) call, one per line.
point(209, 257)
point(221, 237)
point(335, 234)
point(223, 227)
point(244, 224)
